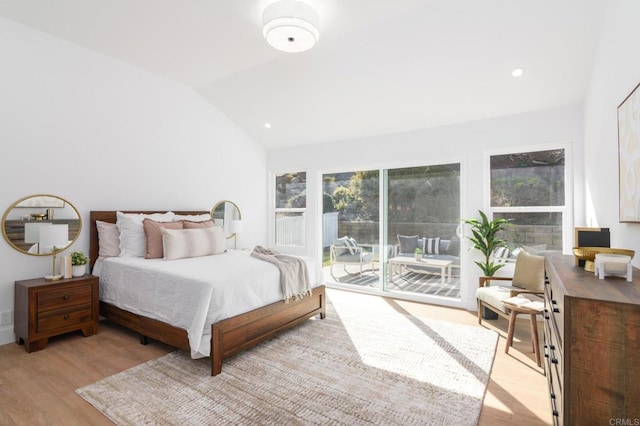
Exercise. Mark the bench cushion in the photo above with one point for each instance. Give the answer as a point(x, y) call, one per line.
point(494, 295)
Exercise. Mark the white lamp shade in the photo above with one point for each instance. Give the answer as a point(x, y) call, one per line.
point(53, 236)
point(236, 226)
point(32, 232)
point(290, 26)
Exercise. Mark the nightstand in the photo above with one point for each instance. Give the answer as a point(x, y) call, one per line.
point(49, 308)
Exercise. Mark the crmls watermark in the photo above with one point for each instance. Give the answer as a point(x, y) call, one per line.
point(624, 422)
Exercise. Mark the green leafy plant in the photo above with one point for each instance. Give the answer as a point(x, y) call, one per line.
point(418, 251)
point(485, 240)
point(78, 258)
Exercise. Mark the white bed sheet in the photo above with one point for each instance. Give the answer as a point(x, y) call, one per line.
point(193, 293)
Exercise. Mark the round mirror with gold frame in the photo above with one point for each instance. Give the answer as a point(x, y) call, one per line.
point(37, 223)
point(227, 214)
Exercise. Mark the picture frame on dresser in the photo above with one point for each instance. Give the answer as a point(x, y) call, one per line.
point(629, 157)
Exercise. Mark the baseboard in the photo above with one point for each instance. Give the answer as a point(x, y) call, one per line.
point(6, 335)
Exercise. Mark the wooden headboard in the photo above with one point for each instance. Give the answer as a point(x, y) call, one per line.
point(110, 217)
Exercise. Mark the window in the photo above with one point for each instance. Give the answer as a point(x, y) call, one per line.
point(530, 189)
point(290, 208)
point(366, 213)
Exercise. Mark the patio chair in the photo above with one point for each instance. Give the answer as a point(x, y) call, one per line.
point(528, 277)
point(347, 251)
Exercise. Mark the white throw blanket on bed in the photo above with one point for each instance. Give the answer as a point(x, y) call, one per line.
point(293, 272)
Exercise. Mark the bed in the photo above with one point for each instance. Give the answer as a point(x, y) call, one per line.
point(229, 336)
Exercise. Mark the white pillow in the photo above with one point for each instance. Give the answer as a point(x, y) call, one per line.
point(132, 238)
point(108, 239)
point(183, 243)
point(193, 217)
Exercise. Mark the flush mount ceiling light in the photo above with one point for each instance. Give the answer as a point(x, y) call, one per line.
point(517, 72)
point(290, 26)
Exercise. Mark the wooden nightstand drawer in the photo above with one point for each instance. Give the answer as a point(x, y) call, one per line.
point(49, 308)
point(65, 297)
point(63, 318)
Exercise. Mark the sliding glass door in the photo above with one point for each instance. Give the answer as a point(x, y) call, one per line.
point(394, 230)
point(423, 211)
point(351, 227)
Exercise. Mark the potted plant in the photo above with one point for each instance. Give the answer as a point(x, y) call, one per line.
point(485, 240)
point(418, 253)
point(78, 263)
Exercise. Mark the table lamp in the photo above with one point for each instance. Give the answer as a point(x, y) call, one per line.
point(235, 229)
point(32, 234)
point(54, 238)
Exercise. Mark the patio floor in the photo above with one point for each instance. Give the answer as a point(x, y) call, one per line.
point(407, 281)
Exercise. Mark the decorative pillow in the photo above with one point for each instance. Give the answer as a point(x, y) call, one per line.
point(132, 240)
point(352, 244)
point(154, 236)
point(529, 272)
point(408, 244)
point(501, 253)
point(193, 217)
point(189, 224)
point(341, 246)
point(183, 243)
point(432, 245)
point(108, 239)
point(454, 246)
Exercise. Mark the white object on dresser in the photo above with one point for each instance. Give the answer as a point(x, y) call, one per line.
point(613, 265)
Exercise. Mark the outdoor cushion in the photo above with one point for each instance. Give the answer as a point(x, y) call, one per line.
point(409, 244)
point(453, 246)
point(355, 258)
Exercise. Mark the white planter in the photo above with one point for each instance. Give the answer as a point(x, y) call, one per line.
point(418, 256)
point(78, 270)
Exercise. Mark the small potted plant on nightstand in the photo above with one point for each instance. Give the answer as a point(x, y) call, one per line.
point(418, 254)
point(79, 263)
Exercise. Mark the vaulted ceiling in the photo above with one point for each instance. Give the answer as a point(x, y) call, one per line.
point(380, 66)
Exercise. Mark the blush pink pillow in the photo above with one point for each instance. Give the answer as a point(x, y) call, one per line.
point(189, 224)
point(154, 236)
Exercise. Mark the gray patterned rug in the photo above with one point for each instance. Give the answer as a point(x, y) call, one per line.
point(361, 365)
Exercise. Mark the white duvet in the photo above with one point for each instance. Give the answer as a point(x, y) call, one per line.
point(193, 293)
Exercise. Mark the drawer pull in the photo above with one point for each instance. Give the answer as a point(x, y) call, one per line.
point(554, 360)
point(555, 413)
point(66, 316)
point(556, 310)
point(553, 302)
point(65, 297)
point(553, 395)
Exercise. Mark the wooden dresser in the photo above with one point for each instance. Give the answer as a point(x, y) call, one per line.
point(592, 345)
point(48, 308)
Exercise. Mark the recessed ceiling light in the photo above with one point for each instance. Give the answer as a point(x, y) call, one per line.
point(517, 72)
point(267, 125)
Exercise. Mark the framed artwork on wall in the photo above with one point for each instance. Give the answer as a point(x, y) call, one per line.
point(629, 157)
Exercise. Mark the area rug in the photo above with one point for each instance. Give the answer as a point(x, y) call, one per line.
point(360, 365)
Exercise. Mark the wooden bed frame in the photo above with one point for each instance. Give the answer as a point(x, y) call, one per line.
point(228, 336)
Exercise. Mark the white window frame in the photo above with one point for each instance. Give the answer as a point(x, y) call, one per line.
point(566, 210)
point(294, 248)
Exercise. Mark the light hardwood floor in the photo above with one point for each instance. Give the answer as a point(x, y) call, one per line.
point(38, 388)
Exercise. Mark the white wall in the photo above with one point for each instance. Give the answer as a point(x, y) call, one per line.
point(106, 136)
point(465, 143)
point(615, 73)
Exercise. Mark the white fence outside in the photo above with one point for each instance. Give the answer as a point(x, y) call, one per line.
point(329, 228)
point(290, 230)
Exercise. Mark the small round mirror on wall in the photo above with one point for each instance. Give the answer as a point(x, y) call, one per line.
point(227, 215)
point(35, 224)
